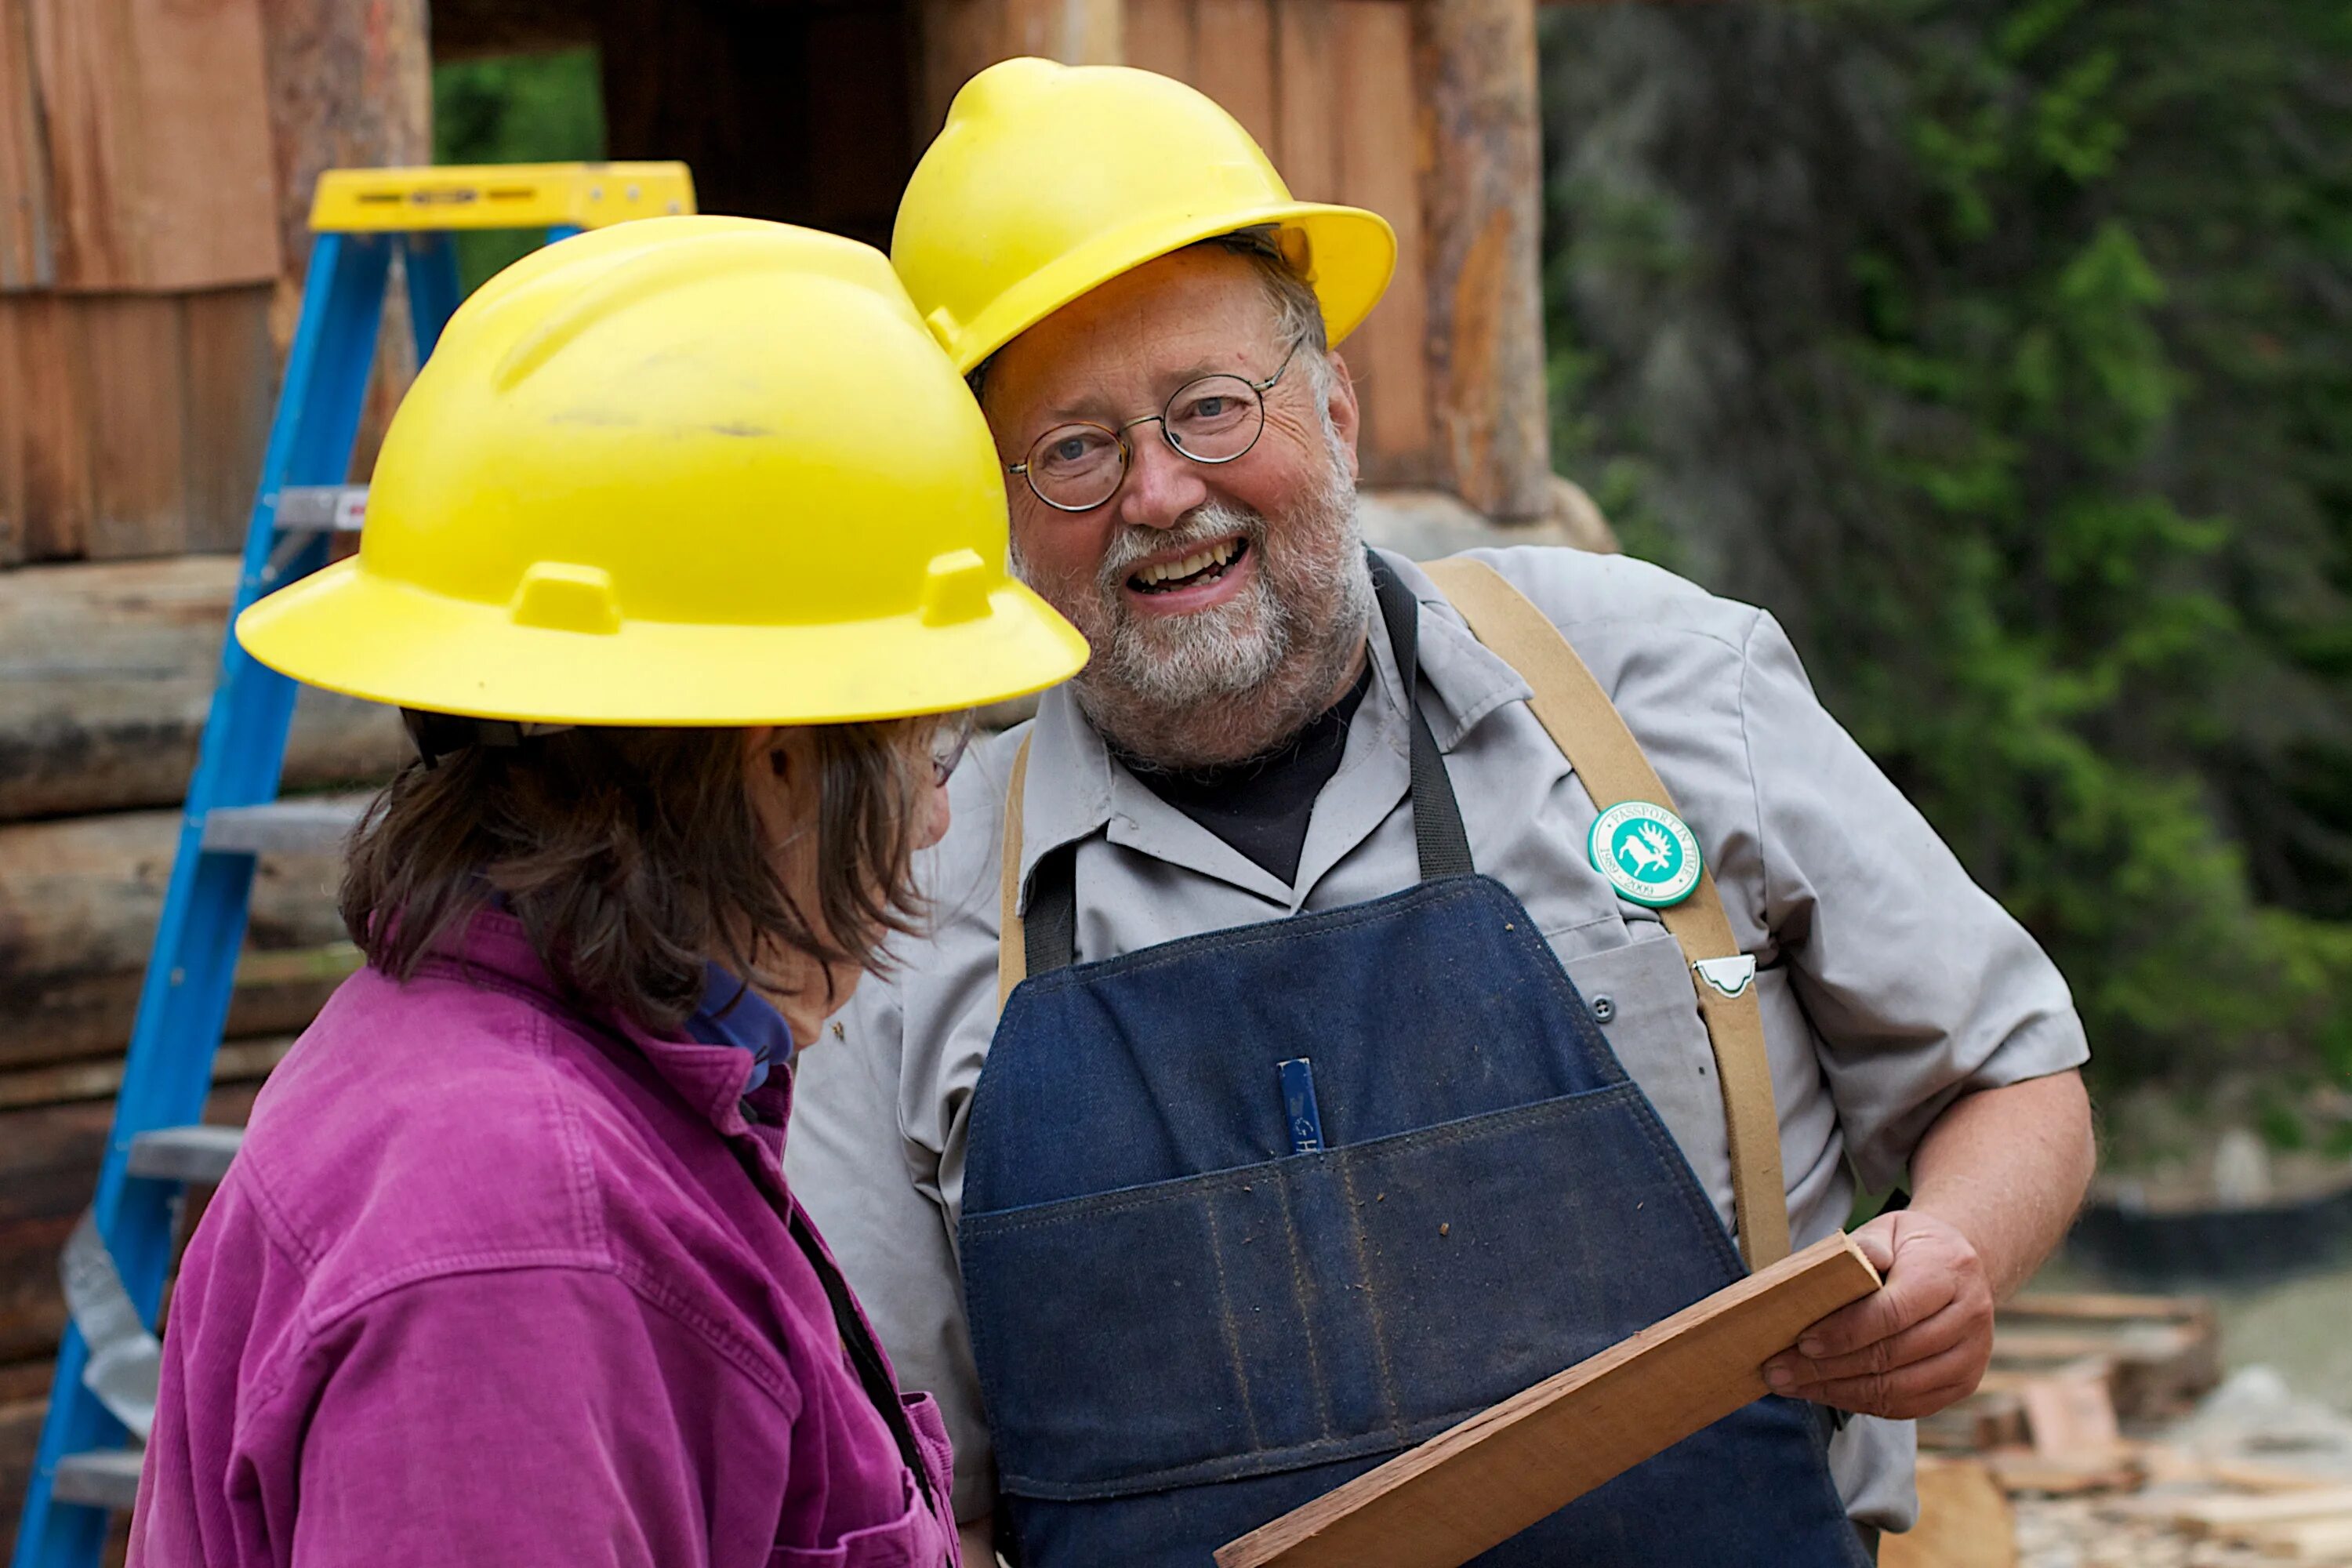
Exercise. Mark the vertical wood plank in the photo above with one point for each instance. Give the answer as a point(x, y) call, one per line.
point(138, 378)
point(53, 376)
point(1160, 36)
point(1306, 85)
point(28, 249)
point(1075, 32)
point(1482, 199)
point(14, 400)
point(208, 202)
point(1235, 63)
point(231, 390)
point(154, 128)
point(1380, 168)
point(959, 40)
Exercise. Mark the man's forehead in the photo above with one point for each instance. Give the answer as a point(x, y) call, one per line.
point(1196, 310)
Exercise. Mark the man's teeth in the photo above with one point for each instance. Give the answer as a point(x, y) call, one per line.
point(1192, 565)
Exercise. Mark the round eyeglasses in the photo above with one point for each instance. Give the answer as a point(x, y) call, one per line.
point(1218, 418)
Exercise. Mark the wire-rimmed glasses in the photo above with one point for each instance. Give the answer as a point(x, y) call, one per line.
point(1214, 419)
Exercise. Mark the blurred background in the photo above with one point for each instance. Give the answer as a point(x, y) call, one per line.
point(2001, 348)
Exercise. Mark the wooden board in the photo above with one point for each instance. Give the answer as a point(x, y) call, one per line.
point(1964, 1521)
point(1469, 1490)
point(136, 351)
point(27, 248)
point(79, 902)
point(106, 673)
point(1235, 63)
point(232, 390)
point(1307, 82)
point(1161, 36)
point(154, 122)
point(52, 428)
point(1380, 168)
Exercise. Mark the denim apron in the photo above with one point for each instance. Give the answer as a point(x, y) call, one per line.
point(1183, 1330)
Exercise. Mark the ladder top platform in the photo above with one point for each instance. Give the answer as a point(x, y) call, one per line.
point(498, 195)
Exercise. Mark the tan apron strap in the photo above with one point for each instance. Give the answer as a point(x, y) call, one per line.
point(1012, 948)
point(1588, 730)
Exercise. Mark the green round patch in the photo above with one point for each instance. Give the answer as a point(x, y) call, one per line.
point(1649, 855)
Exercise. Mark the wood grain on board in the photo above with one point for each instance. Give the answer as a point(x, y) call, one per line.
point(136, 354)
point(232, 390)
point(51, 428)
point(1307, 82)
point(155, 142)
point(1469, 1490)
point(27, 246)
point(1235, 63)
point(1380, 169)
point(1161, 36)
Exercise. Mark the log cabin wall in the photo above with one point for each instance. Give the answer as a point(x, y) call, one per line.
point(156, 158)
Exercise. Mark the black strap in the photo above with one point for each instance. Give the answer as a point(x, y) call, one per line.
point(1050, 930)
point(1438, 836)
point(873, 1372)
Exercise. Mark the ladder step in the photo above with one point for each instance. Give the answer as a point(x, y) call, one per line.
point(282, 827)
point(103, 1477)
point(322, 509)
point(184, 1153)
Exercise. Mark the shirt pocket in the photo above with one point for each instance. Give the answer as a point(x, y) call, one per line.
point(916, 1539)
point(1642, 996)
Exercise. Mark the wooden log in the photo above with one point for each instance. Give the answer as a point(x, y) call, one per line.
point(1482, 195)
point(1474, 1487)
point(106, 674)
point(79, 902)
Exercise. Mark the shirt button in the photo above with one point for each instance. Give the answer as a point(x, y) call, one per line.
point(1603, 1010)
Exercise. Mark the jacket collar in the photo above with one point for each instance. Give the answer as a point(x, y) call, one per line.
point(1075, 788)
point(495, 952)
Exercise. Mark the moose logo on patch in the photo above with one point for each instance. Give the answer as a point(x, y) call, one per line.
point(1649, 855)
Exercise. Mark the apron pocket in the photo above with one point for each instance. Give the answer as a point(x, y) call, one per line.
point(1317, 1306)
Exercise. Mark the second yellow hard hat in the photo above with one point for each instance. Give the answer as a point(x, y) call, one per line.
point(1049, 179)
point(684, 470)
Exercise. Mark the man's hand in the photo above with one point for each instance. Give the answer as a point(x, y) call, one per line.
point(1917, 1345)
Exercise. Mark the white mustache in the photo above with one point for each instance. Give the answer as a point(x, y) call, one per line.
point(1201, 525)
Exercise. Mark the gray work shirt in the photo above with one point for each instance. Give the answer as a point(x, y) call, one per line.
point(1890, 982)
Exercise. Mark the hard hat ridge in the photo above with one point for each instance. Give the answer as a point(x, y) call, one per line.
point(685, 470)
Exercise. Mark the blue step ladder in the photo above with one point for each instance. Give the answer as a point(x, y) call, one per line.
point(88, 1461)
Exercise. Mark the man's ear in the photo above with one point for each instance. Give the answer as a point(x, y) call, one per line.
point(1347, 414)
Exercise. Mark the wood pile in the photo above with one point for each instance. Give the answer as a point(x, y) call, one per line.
point(2078, 1426)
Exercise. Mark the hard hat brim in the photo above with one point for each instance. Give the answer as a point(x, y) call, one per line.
point(1352, 257)
point(349, 631)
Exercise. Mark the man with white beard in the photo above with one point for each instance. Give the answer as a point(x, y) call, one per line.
point(1366, 990)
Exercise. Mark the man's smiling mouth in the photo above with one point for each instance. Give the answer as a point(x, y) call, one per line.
point(1205, 566)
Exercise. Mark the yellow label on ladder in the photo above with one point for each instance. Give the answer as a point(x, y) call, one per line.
point(498, 195)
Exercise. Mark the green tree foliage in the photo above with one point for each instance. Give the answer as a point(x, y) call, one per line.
point(518, 109)
point(2004, 348)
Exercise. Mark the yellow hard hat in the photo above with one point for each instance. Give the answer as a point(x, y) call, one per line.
point(1051, 179)
point(683, 470)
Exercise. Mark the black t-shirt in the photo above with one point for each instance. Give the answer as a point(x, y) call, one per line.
point(1261, 808)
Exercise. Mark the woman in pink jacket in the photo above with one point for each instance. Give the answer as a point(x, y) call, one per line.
point(679, 538)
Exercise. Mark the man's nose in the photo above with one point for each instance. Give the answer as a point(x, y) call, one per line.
point(1162, 486)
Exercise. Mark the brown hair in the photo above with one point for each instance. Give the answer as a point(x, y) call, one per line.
point(631, 856)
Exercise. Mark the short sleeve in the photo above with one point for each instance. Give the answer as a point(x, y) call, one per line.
point(1921, 986)
point(868, 1188)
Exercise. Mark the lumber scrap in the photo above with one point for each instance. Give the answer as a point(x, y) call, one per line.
point(1964, 1521)
point(1474, 1487)
point(1482, 199)
point(79, 902)
point(106, 675)
point(2070, 1413)
point(2166, 1350)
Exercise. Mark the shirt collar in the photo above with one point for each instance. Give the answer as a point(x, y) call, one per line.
point(1073, 789)
point(733, 1013)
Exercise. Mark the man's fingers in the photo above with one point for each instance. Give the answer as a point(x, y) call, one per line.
point(1912, 1295)
point(1903, 1347)
point(1921, 1388)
